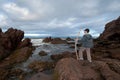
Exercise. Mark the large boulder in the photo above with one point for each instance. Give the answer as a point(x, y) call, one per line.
point(71, 69)
point(112, 30)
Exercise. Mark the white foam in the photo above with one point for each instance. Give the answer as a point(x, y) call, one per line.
point(37, 42)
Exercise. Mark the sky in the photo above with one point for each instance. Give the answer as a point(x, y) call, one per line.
point(58, 17)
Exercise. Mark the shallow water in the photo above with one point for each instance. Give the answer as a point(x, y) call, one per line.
point(49, 48)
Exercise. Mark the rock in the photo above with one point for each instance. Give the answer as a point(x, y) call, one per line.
point(115, 66)
point(71, 69)
point(41, 66)
point(0, 30)
point(58, 41)
point(17, 56)
point(65, 54)
point(16, 74)
point(11, 74)
point(42, 53)
point(13, 51)
point(15, 36)
point(69, 39)
point(115, 53)
point(26, 42)
point(54, 40)
point(106, 72)
point(47, 40)
point(3, 74)
point(72, 46)
point(112, 31)
point(40, 76)
point(9, 41)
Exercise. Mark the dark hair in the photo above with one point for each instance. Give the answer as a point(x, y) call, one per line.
point(87, 30)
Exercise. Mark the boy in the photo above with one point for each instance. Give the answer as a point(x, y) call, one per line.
point(87, 43)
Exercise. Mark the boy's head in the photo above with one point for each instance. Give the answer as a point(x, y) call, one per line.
point(86, 31)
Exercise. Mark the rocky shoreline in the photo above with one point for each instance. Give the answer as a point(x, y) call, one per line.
point(13, 50)
point(105, 54)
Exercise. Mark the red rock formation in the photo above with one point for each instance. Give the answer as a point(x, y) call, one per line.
point(10, 40)
point(112, 30)
point(12, 50)
point(71, 69)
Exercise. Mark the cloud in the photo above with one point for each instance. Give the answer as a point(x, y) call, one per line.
point(18, 12)
point(64, 23)
point(114, 6)
point(3, 20)
point(58, 17)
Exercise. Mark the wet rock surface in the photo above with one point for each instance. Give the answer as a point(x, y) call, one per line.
point(40, 66)
point(54, 40)
point(42, 53)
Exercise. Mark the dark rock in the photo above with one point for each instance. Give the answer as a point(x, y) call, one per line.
point(9, 41)
point(17, 56)
point(57, 57)
point(47, 40)
point(0, 30)
point(3, 74)
point(42, 53)
point(115, 53)
point(106, 72)
point(13, 51)
point(69, 39)
point(41, 76)
point(26, 42)
point(54, 40)
point(15, 36)
point(41, 66)
point(58, 41)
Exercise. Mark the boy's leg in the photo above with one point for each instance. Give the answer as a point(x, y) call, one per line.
point(88, 54)
point(81, 53)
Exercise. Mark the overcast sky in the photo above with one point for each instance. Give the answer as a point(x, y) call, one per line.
point(58, 17)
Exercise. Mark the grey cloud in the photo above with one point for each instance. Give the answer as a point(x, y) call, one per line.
point(93, 14)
